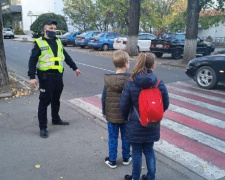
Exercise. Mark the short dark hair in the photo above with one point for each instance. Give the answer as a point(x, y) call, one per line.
point(49, 21)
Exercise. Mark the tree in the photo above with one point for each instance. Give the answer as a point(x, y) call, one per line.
point(209, 18)
point(179, 10)
point(159, 13)
point(102, 15)
point(134, 19)
point(4, 78)
point(193, 10)
point(37, 26)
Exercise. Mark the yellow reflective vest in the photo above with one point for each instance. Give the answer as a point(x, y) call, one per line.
point(46, 60)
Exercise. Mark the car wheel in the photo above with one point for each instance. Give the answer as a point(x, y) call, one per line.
point(207, 52)
point(82, 46)
point(176, 54)
point(158, 54)
point(105, 47)
point(65, 44)
point(138, 50)
point(206, 77)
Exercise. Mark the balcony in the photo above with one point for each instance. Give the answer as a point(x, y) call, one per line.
point(11, 9)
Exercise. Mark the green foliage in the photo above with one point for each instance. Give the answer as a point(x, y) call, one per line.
point(18, 31)
point(208, 21)
point(7, 19)
point(107, 15)
point(215, 4)
point(37, 26)
point(179, 22)
point(99, 15)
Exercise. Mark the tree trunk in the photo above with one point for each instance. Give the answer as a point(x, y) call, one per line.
point(134, 18)
point(4, 78)
point(191, 30)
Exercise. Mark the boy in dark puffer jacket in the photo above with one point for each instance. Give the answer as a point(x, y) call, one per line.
point(141, 138)
point(113, 87)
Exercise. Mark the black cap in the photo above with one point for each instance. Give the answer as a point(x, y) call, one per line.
point(48, 22)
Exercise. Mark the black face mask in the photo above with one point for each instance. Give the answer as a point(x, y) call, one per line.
point(50, 34)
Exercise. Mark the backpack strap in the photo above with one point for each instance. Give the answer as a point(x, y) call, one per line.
point(157, 84)
point(136, 112)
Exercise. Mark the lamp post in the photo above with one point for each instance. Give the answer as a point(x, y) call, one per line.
point(30, 14)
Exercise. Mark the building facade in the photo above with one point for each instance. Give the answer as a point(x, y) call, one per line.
point(24, 12)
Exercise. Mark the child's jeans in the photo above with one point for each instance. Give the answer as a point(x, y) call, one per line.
point(113, 130)
point(147, 149)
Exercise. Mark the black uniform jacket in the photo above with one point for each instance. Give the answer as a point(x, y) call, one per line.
point(36, 52)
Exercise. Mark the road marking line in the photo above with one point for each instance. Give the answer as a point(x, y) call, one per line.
point(198, 103)
point(214, 98)
point(194, 85)
point(195, 135)
point(202, 151)
point(191, 161)
point(191, 88)
point(210, 101)
point(199, 109)
point(195, 124)
point(94, 67)
point(198, 116)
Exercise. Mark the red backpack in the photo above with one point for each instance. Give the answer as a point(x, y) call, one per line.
point(150, 106)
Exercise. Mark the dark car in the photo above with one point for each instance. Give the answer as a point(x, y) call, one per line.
point(207, 71)
point(103, 41)
point(83, 39)
point(69, 38)
point(174, 44)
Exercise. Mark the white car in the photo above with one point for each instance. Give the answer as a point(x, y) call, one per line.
point(144, 42)
point(7, 32)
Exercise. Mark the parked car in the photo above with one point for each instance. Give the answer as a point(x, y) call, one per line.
point(59, 33)
point(207, 71)
point(174, 44)
point(69, 38)
point(144, 42)
point(7, 32)
point(83, 39)
point(103, 41)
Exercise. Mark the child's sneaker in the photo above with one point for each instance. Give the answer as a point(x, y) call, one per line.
point(126, 161)
point(111, 164)
point(128, 177)
point(144, 177)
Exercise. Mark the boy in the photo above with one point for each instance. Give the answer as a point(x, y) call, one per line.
point(113, 87)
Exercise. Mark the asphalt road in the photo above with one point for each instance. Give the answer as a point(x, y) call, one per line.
point(92, 66)
point(73, 152)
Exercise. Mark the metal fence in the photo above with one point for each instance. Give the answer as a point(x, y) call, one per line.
point(215, 40)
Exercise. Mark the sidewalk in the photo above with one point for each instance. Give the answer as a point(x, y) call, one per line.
point(74, 152)
point(23, 38)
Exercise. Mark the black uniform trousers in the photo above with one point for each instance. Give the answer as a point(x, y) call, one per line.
point(51, 86)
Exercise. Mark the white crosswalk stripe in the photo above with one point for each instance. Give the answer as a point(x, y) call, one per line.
point(199, 144)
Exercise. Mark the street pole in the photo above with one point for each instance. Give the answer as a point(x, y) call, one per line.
point(4, 77)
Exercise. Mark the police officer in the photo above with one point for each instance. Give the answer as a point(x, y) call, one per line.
point(48, 52)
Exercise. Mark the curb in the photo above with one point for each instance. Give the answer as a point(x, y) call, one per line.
point(174, 65)
point(19, 79)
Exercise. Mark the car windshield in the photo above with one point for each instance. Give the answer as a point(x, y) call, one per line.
point(166, 36)
point(84, 34)
point(100, 35)
point(6, 29)
point(67, 34)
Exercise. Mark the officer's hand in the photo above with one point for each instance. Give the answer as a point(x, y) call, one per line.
point(78, 72)
point(33, 83)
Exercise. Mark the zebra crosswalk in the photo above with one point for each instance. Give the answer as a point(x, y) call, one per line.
point(192, 130)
